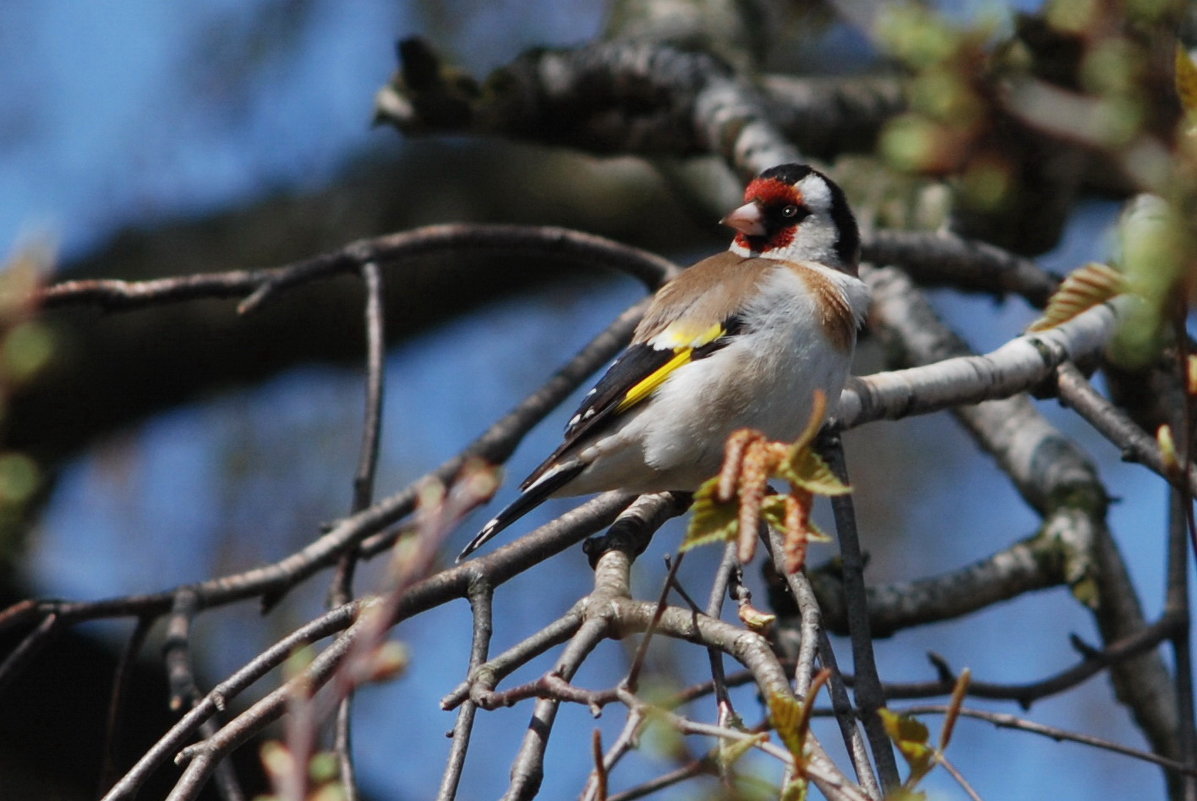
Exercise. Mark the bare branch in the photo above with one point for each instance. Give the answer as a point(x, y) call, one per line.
point(814, 639)
point(945, 379)
point(341, 590)
point(1115, 425)
point(942, 259)
point(558, 243)
point(481, 604)
point(625, 96)
point(120, 688)
point(220, 695)
point(1034, 563)
point(869, 696)
point(1006, 721)
point(1057, 479)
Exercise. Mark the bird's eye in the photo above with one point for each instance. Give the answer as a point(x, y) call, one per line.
point(790, 211)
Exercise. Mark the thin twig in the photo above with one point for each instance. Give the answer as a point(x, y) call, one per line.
point(633, 677)
point(33, 643)
point(363, 495)
point(625, 742)
point(220, 695)
point(343, 747)
point(600, 770)
point(176, 651)
point(611, 582)
point(120, 690)
point(1095, 660)
point(729, 566)
point(694, 768)
point(818, 768)
point(367, 465)
point(224, 776)
point(527, 768)
point(1176, 605)
point(1093, 663)
point(479, 685)
point(1077, 393)
point(184, 689)
point(1007, 721)
point(482, 607)
point(560, 243)
point(870, 696)
point(958, 776)
point(813, 633)
point(845, 718)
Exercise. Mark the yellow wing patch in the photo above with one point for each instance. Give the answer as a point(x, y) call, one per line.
point(680, 335)
point(683, 340)
point(649, 384)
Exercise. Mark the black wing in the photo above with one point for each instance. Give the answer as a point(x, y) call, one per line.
point(631, 379)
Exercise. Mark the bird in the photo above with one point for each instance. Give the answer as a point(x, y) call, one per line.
point(742, 339)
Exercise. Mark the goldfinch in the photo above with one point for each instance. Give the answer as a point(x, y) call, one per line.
point(740, 340)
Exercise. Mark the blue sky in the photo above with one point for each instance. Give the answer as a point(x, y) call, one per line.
point(125, 111)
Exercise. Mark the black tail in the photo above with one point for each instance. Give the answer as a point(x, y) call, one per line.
point(532, 497)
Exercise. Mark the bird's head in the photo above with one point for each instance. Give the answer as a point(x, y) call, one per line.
point(796, 213)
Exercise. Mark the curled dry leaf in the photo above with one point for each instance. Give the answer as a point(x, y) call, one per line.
point(1083, 288)
point(731, 506)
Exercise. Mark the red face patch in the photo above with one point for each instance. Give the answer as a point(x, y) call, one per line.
point(771, 192)
point(772, 195)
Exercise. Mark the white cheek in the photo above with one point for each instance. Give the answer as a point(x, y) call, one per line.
point(740, 250)
point(816, 192)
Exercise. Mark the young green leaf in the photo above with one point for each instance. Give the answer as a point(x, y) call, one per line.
point(711, 520)
point(913, 741)
point(785, 715)
point(795, 790)
point(804, 468)
point(1186, 80)
point(730, 751)
point(773, 511)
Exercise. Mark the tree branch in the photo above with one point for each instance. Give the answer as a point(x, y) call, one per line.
point(607, 97)
point(1058, 481)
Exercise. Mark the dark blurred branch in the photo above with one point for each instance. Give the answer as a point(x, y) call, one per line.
point(608, 97)
point(392, 249)
point(943, 259)
point(1029, 565)
point(98, 380)
point(828, 117)
point(117, 701)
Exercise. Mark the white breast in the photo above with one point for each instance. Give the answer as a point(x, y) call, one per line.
point(764, 380)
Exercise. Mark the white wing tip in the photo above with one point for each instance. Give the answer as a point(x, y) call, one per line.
point(488, 531)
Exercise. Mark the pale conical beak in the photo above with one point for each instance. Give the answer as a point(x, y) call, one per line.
point(747, 219)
